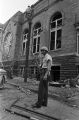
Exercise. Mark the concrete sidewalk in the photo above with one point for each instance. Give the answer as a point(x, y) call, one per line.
point(55, 108)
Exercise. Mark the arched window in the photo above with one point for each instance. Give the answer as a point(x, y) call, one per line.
point(25, 38)
point(56, 31)
point(36, 37)
point(7, 43)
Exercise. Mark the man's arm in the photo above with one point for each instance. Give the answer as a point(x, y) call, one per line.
point(48, 69)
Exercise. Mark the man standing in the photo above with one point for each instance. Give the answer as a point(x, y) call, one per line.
point(44, 78)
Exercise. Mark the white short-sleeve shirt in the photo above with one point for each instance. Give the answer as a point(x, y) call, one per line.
point(45, 63)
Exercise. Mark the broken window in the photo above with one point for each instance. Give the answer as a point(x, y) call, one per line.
point(77, 42)
point(36, 37)
point(56, 31)
point(8, 43)
point(58, 41)
point(25, 38)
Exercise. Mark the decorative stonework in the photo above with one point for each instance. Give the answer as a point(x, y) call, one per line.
point(7, 44)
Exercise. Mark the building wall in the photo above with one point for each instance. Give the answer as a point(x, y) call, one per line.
point(68, 33)
point(43, 11)
point(13, 26)
point(66, 57)
point(67, 66)
point(69, 9)
point(1, 48)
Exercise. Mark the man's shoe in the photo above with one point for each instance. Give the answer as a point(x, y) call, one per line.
point(44, 104)
point(36, 106)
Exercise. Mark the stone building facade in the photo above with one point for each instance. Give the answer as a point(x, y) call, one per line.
point(1, 32)
point(55, 24)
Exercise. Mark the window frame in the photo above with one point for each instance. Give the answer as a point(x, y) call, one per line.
point(8, 43)
point(78, 43)
point(37, 36)
point(24, 41)
point(55, 29)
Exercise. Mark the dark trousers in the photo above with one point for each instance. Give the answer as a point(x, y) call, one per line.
point(43, 90)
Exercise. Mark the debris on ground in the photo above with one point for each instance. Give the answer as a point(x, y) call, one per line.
point(64, 93)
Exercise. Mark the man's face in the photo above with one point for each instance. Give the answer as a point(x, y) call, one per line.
point(43, 52)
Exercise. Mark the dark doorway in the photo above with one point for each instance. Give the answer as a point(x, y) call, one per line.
point(55, 73)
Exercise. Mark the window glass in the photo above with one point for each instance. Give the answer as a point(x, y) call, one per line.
point(59, 22)
point(7, 43)
point(53, 25)
point(32, 70)
point(78, 43)
point(58, 42)
point(34, 45)
point(25, 39)
point(52, 44)
point(56, 31)
point(36, 37)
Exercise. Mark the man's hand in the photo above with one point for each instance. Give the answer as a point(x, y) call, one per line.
point(45, 77)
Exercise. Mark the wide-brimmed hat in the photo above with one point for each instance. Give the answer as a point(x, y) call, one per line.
point(44, 48)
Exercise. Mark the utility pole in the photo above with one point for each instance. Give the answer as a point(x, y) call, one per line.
point(29, 14)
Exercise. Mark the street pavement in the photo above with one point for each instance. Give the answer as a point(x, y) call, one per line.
point(63, 103)
point(7, 97)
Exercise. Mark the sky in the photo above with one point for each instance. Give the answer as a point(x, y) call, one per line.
point(9, 7)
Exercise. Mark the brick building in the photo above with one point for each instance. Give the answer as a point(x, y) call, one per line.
point(55, 23)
